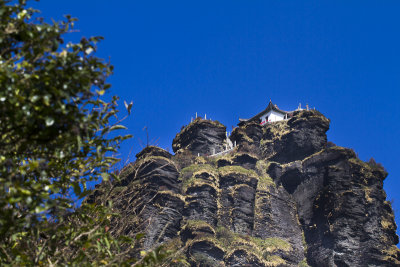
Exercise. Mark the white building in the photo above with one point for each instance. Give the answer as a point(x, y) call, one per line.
point(271, 114)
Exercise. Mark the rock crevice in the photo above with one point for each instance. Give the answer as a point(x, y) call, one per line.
point(282, 197)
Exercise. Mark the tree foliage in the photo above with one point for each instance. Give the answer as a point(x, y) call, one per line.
point(56, 135)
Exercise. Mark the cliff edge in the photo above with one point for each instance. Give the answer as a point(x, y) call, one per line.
point(282, 196)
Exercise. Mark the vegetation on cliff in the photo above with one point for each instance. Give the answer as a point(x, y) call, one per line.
point(295, 202)
point(282, 197)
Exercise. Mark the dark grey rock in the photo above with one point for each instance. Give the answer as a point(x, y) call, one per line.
point(303, 135)
point(283, 197)
point(202, 137)
point(153, 151)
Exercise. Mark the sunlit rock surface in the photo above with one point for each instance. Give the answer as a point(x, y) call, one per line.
point(281, 197)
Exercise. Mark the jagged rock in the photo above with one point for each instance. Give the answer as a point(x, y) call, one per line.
point(196, 228)
point(342, 207)
point(245, 160)
point(161, 218)
point(242, 257)
point(250, 132)
point(237, 198)
point(206, 253)
point(203, 137)
point(202, 197)
point(282, 197)
point(148, 199)
point(276, 217)
point(153, 151)
point(303, 135)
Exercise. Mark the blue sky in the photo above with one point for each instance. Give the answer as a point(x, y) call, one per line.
point(227, 59)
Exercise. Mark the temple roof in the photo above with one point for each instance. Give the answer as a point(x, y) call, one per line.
point(270, 107)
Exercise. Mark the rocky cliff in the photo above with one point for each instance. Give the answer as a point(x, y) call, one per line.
point(282, 197)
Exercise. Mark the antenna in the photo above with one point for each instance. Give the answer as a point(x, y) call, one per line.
point(147, 135)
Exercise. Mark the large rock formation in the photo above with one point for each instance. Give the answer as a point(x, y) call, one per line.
point(201, 137)
point(282, 197)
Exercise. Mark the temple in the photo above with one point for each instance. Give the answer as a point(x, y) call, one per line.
point(271, 114)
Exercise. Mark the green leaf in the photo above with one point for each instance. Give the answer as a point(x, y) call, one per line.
point(107, 243)
point(34, 164)
point(79, 141)
point(25, 191)
point(98, 151)
point(118, 127)
point(46, 100)
point(88, 50)
point(105, 176)
point(140, 236)
point(39, 209)
point(49, 121)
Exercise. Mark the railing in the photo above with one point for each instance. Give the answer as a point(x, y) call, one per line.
point(222, 152)
point(265, 122)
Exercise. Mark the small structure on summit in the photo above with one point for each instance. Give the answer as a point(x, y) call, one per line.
point(271, 114)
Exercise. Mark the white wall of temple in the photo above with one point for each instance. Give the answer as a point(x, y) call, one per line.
point(272, 116)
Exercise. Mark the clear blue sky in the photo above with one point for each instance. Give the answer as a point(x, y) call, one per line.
point(228, 58)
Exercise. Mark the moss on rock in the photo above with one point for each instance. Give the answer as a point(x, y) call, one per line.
point(188, 172)
point(226, 170)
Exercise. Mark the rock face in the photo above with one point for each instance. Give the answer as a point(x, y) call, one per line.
point(303, 135)
point(281, 197)
point(201, 137)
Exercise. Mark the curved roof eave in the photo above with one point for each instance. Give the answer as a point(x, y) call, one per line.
point(269, 108)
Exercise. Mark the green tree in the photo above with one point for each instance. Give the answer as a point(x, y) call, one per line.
point(54, 139)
